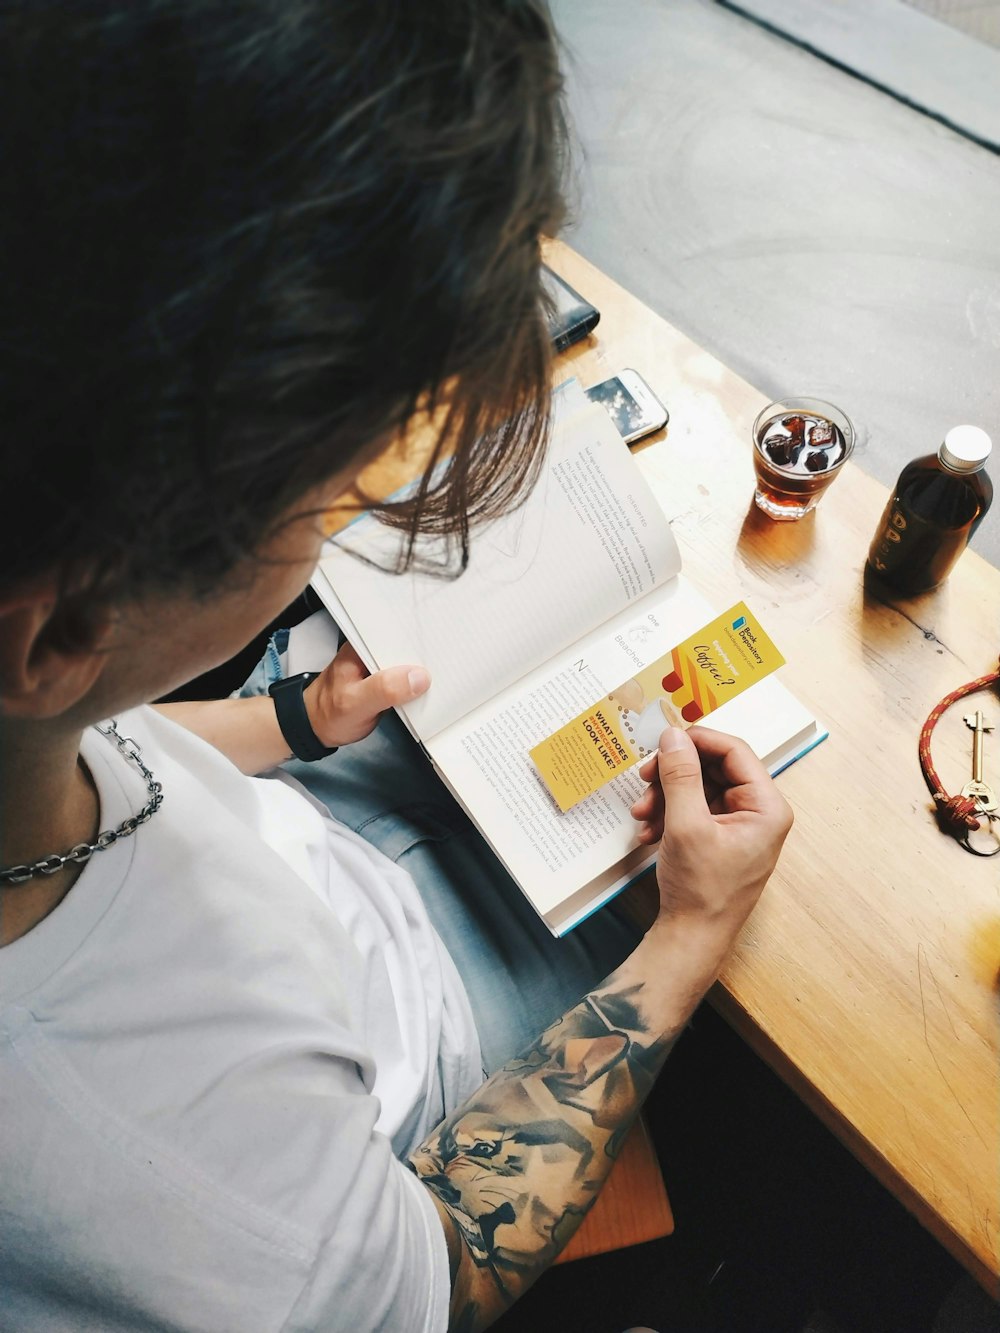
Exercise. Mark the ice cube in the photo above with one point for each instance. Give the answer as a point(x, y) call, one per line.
point(822, 433)
point(818, 460)
point(796, 427)
point(783, 450)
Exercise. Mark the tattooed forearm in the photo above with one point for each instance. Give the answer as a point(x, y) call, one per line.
point(518, 1166)
point(514, 1170)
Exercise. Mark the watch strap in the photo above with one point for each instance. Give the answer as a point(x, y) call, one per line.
point(290, 709)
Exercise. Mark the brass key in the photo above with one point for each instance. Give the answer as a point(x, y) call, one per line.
point(978, 790)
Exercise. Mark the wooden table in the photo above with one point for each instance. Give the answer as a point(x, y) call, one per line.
point(868, 975)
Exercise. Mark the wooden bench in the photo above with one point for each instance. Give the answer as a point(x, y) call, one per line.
point(632, 1207)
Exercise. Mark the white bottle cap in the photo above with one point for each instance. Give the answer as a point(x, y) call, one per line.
point(965, 449)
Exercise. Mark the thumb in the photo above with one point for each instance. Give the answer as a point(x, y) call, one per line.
point(394, 686)
point(681, 780)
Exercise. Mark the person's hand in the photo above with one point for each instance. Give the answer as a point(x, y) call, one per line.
point(720, 822)
point(344, 701)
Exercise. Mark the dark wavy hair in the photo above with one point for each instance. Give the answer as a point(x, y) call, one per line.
point(239, 244)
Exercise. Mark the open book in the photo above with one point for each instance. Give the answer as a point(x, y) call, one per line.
point(562, 600)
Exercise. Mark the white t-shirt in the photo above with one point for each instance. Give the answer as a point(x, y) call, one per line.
point(211, 1055)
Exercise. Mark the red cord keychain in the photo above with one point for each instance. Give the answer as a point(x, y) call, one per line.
point(961, 815)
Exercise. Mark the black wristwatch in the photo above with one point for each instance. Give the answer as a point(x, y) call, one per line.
point(293, 719)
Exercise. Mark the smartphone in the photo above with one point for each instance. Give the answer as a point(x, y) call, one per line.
point(631, 404)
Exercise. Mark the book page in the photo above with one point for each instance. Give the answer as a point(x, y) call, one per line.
point(590, 539)
point(485, 759)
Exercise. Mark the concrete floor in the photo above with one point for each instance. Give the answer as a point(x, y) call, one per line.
point(816, 234)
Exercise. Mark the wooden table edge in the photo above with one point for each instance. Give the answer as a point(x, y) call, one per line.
point(725, 1003)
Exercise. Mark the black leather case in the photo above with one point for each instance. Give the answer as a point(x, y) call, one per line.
point(570, 316)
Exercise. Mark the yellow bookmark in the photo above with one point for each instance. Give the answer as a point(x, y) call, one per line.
point(686, 684)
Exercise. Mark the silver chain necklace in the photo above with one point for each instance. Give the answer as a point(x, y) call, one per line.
point(83, 851)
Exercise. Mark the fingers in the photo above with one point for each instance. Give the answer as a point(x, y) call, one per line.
point(733, 779)
point(713, 747)
point(679, 771)
point(727, 758)
point(344, 704)
point(390, 688)
point(647, 804)
point(357, 690)
point(648, 810)
point(349, 665)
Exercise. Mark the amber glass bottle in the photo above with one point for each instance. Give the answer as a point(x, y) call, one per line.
point(937, 504)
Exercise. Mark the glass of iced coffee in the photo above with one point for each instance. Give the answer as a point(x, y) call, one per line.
point(799, 446)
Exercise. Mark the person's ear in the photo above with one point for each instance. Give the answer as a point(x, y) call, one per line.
point(51, 653)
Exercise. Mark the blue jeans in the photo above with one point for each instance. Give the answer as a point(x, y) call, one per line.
point(519, 978)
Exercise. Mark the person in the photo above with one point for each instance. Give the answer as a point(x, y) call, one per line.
point(242, 1028)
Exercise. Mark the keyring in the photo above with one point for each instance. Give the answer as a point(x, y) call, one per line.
point(991, 832)
point(961, 815)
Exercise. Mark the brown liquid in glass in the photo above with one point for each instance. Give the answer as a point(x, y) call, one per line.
point(927, 524)
point(795, 455)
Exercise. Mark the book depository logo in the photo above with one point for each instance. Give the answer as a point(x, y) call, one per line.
point(738, 624)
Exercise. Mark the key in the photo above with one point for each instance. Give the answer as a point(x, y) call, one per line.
point(978, 790)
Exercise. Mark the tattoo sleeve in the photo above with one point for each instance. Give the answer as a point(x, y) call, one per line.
point(517, 1167)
